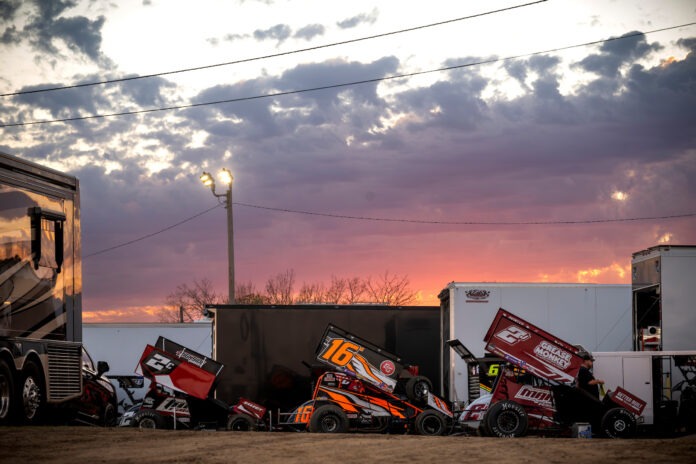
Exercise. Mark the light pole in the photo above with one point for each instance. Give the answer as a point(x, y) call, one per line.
point(226, 177)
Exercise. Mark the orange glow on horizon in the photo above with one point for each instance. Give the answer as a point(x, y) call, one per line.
point(127, 314)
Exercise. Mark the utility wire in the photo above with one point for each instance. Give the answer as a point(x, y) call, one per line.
point(346, 84)
point(412, 221)
point(470, 223)
point(152, 234)
point(247, 60)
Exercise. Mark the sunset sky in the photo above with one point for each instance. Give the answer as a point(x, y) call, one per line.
point(525, 148)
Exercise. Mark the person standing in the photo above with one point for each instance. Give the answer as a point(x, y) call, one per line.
point(586, 379)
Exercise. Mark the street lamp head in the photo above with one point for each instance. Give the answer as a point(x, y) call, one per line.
point(208, 180)
point(226, 176)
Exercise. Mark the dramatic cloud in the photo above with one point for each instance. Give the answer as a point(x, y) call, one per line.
point(310, 31)
point(355, 21)
point(279, 32)
point(48, 25)
point(418, 159)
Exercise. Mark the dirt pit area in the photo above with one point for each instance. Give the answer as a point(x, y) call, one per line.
point(129, 445)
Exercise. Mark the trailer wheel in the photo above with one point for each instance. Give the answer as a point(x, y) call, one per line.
point(241, 423)
point(506, 419)
point(430, 423)
point(618, 423)
point(7, 394)
point(417, 389)
point(328, 419)
point(31, 394)
point(149, 420)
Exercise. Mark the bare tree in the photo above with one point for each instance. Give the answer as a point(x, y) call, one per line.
point(337, 290)
point(247, 294)
point(187, 303)
point(390, 290)
point(355, 290)
point(311, 293)
point(279, 288)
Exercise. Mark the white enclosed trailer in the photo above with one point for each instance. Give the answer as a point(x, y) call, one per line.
point(596, 316)
point(664, 294)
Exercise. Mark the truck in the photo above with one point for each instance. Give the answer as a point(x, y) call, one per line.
point(597, 316)
point(535, 389)
point(40, 290)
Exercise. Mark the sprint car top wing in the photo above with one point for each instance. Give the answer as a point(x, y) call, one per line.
point(175, 366)
point(351, 354)
point(531, 348)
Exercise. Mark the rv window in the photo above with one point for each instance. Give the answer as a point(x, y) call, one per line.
point(47, 238)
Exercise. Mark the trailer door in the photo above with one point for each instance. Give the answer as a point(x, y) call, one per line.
point(637, 372)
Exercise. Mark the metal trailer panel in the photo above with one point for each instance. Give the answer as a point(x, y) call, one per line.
point(122, 344)
point(678, 271)
point(596, 316)
point(263, 347)
point(665, 276)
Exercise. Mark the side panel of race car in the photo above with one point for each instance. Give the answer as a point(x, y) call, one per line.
point(359, 398)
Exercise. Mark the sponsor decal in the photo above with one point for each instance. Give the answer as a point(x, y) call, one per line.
point(387, 367)
point(159, 363)
point(631, 402)
point(193, 359)
point(553, 354)
point(476, 295)
point(537, 396)
point(513, 334)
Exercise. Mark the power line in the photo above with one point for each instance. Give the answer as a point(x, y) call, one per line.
point(471, 223)
point(412, 221)
point(275, 55)
point(346, 84)
point(152, 234)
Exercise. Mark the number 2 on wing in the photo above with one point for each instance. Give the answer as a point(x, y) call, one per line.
point(340, 352)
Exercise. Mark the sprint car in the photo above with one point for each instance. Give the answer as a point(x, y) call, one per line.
point(180, 393)
point(368, 389)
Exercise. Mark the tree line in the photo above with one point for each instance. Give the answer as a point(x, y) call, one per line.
point(187, 302)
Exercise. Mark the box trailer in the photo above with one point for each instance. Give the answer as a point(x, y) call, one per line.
point(598, 317)
point(269, 350)
point(664, 291)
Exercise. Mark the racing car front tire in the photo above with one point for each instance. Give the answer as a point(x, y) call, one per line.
point(241, 423)
point(618, 423)
point(149, 420)
point(506, 419)
point(431, 423)
point(418, 388)
point(328, 419)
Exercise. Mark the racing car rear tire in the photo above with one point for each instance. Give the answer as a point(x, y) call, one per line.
point(328, 419)
point(149, 420)
point(506, 419)
point(618, 423)
point(241, 423)
point(418, 388)
point(431, 423)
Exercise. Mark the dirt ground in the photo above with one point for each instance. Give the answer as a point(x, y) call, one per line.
point(129, 445)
